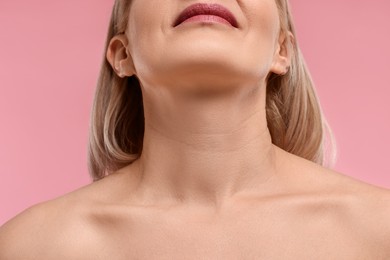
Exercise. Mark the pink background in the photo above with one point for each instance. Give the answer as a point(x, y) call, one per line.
point(50, 54)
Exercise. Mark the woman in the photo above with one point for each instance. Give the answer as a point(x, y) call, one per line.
point(207, 142)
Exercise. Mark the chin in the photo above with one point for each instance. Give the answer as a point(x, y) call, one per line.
point(202, 69)
point(205, 78)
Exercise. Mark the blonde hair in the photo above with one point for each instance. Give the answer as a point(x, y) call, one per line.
point(294, 115)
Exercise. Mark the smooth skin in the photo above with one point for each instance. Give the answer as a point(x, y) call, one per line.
point(209, 183)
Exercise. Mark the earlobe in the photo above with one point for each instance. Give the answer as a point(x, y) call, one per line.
point(283, 53)
point(119, 57)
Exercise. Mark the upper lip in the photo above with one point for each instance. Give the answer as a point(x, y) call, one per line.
point(204, 8)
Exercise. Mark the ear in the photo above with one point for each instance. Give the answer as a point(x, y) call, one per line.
point(119, 57)
point(284, 51)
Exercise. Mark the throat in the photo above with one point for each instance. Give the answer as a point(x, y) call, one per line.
point(204, 151)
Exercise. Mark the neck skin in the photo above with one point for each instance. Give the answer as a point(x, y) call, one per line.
point(205, 150)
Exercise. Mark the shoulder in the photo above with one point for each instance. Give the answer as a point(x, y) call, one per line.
point(55, 229)
point(360, 207)
point(365, 210)
point(68, 227)
point(372, 218)
point(23, 236)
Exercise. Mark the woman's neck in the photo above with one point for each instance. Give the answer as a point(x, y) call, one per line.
point(205, 150)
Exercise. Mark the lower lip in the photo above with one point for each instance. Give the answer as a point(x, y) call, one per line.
point(206, 18)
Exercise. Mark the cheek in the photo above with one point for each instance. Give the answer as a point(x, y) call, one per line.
point(262, 14)
point(145, 33)
point(262, 30)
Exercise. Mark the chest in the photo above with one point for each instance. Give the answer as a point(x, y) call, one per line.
point(261, 237)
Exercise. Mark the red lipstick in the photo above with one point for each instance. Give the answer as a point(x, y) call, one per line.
point(208, 12)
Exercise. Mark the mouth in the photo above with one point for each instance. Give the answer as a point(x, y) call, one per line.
point(204, 9)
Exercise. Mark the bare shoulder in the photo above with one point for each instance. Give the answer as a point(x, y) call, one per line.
point(364, 208)
point(24, 236)
point(48, 230)
point(371, 214)
point(61, 228)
